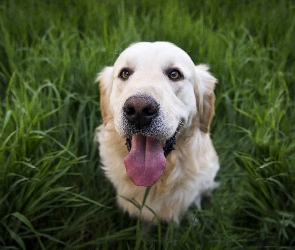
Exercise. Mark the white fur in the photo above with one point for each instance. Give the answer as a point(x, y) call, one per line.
point(192, 166)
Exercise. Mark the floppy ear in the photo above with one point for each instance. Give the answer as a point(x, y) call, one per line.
point(204, 91)
point(105, 79)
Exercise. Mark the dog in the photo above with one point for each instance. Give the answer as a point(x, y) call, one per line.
point(157, 108)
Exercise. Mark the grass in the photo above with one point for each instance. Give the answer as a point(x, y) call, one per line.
point(53, 195)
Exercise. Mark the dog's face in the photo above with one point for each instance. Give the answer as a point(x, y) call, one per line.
point(152, 92)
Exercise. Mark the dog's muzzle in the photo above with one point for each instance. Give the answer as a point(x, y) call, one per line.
point(140, 111)
point(145, 132)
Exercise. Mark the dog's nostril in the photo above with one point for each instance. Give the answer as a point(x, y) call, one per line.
point(129, 111)
point(149, 111)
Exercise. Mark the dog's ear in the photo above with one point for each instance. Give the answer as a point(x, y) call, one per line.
point(105, 79)
point(204, 91)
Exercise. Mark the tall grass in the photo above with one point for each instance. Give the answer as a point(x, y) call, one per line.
point(53, 194)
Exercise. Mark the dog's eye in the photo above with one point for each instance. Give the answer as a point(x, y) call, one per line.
point(125, 74)
point(175, 74)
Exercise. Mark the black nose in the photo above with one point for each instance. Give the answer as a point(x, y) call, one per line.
point(140, 110)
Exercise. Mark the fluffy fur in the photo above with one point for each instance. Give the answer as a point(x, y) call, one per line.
point(186, 106)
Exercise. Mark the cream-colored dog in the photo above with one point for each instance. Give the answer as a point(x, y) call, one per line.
point(158, 105)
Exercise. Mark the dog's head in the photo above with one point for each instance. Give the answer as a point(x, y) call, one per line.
point(153, 91)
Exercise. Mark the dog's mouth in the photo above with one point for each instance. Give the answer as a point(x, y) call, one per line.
point(146, 160)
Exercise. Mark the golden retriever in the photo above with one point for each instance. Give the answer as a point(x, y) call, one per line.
point(158, 105)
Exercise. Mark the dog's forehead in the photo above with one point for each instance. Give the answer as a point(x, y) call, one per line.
point(153, 54)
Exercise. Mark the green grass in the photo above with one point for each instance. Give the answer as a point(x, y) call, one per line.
point(53, 195)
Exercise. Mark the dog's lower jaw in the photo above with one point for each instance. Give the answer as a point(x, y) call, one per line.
point(145, 162)
point(168, 147)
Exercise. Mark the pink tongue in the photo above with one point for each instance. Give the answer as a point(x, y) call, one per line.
point(145, 162)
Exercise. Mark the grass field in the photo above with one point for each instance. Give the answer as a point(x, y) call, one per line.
point(53, 195)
